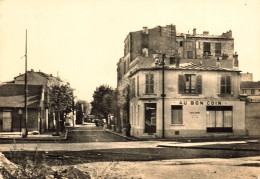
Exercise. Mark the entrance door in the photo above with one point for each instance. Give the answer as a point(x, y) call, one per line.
point(5, 121)
point(150, 118)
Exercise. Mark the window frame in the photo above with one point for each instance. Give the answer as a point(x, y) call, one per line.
point(149, 83)
point(178, 109)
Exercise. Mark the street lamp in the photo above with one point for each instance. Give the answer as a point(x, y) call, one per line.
point(162, 63)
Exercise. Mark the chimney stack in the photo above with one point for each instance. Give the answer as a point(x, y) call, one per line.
point(145, 30)
point(205, 32)
point(194, 31)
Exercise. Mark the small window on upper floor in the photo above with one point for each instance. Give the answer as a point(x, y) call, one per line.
point(172, 60)
point(217, 49)
point(149, 84)
point(253, 91)
point(190, 54)
point(181, 44)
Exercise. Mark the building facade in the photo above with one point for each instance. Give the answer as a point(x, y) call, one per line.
point(198, 90)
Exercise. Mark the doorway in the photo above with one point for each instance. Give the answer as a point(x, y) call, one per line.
point(150, 118)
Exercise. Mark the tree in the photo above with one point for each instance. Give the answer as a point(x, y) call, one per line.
point(103, 100)
point(61, 101)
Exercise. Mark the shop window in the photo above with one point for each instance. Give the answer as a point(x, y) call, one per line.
point(217, 49)
point(149, 83)
point(190, 84)
point(190, 54)
point(219, 119)
point(225, 86)
point(176, 115)
point(206, 48)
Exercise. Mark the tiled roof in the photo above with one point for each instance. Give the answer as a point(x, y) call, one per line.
point(250, 84)
point(201, 35)
point(12, 95)
point(191, 66)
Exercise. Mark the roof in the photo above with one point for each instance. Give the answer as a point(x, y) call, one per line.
point(202, 36)
point(148, 65)
point(12, 95)
point(250, 84)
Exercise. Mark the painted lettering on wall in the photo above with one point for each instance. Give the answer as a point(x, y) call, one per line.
point(200, 103)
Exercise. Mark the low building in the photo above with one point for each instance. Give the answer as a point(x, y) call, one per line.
point(12, 112)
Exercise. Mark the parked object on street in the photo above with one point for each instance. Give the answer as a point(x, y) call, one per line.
point(99, 122)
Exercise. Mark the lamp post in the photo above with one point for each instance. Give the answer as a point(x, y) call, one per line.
point(161, 63)
point(24, 130)
point(20, 112)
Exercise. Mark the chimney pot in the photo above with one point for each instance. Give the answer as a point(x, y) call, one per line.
point(205, 32)
point(145, 30)
point(194, 31)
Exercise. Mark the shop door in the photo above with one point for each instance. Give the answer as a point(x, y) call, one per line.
point(150, 118)
point(5, 121)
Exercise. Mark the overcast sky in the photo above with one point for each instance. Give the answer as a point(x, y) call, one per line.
point(83, 40)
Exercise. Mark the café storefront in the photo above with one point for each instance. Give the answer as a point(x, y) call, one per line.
point(189, 118)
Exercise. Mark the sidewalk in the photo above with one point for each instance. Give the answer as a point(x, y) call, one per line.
point(235, 143)
point(47, 136)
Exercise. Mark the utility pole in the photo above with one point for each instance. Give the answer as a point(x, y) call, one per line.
point(163, 95)
point(24, 130)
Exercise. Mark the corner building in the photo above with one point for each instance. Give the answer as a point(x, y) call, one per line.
point(201, 84)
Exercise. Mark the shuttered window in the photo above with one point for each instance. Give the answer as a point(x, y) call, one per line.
point(225, 85)
point(190, 84)
point(149, 83)
point(218, 49)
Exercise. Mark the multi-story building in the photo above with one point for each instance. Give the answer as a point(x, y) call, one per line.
point(196, 93)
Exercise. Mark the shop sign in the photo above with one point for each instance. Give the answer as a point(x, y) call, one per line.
point(213, 103)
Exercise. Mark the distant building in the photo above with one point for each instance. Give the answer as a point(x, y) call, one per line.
point(12, 101)
point(34, 79)
point(201, 84)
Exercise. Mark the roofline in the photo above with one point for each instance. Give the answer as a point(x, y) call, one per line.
point(169, 69)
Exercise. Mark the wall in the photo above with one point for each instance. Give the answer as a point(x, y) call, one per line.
point(253, 119)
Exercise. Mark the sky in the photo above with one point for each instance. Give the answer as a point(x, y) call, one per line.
point(82, 40)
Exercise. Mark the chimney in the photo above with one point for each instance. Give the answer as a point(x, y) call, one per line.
point(145, 30)
point(205, 32)
point(194, 31)
point(32, 70)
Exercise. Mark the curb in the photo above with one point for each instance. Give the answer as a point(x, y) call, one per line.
point(121, 135)
point(210, 148)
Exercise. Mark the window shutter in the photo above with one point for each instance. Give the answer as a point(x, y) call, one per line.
point(222, 85)
point(228, 84)
point(146, 83)
point(151, 83)
point(199, 84)
point(137, 85)
point(181, 84)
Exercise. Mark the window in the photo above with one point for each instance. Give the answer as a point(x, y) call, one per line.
point(176, 115)
point(189, 54)
point(137, 85)
point(206, 48)
point(172, 60)
point(149, 84)
point(219, 119)
point(124, 67)
point(181, 44)
point(133, 87)
point(225, 86)
point(190, 84)
point(252, 91)
point(217, 49)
